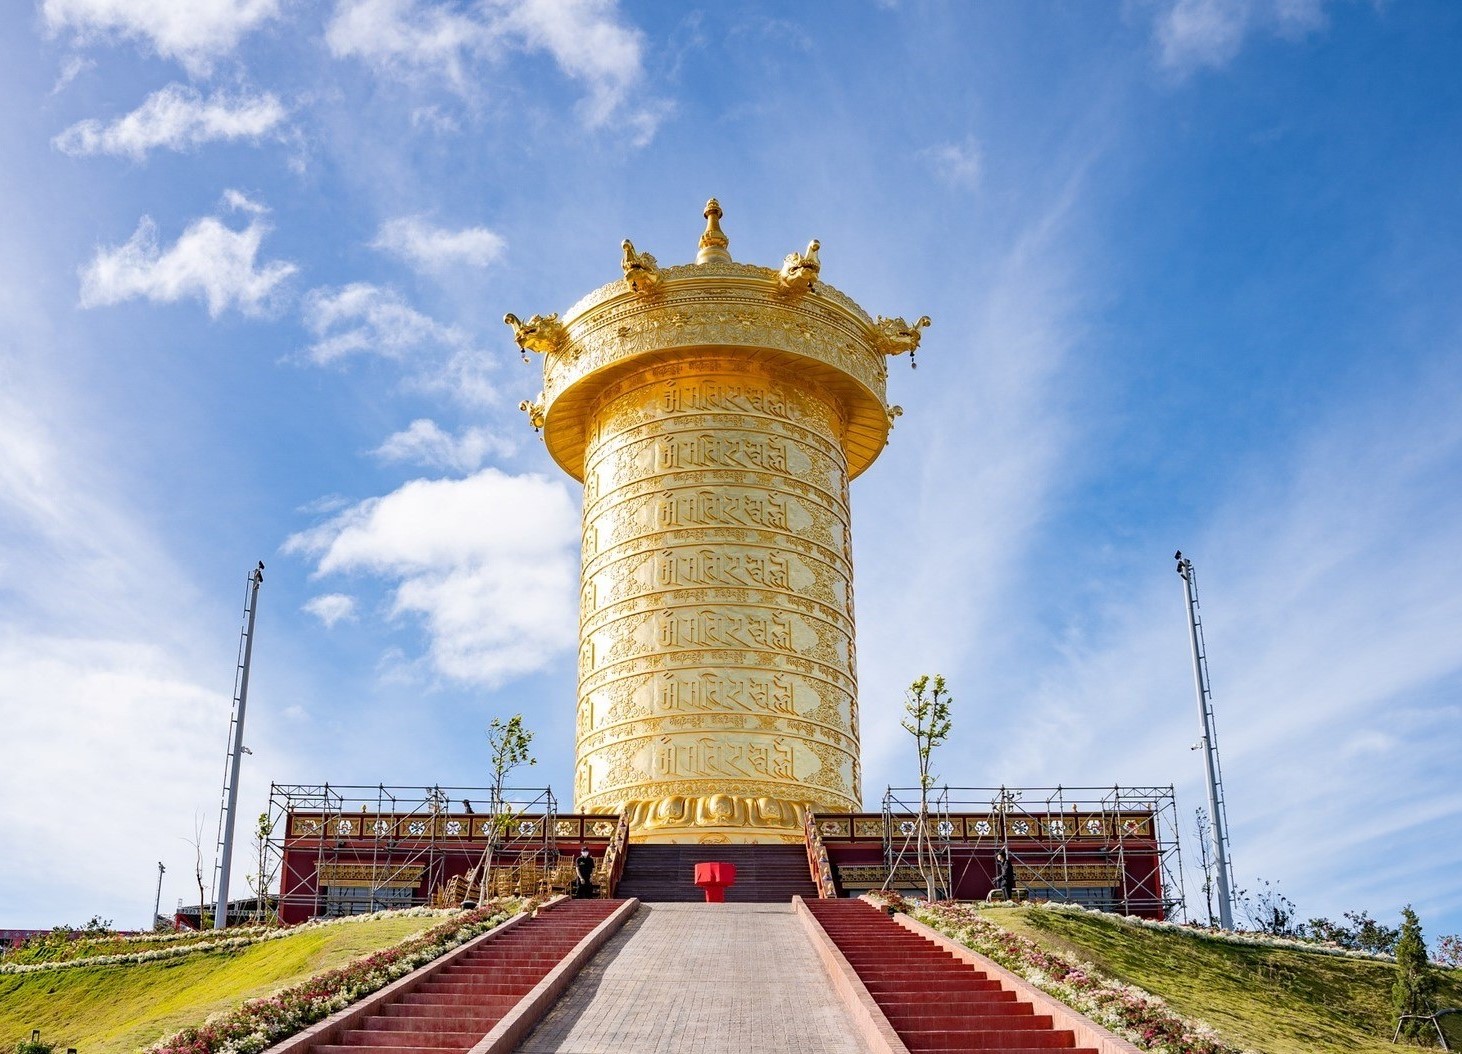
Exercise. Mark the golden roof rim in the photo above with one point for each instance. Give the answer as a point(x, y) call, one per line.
point(693, 275)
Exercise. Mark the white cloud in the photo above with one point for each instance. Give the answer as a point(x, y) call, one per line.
point(489, 563)
point(425, 443)
point(209, 260)
point(585, 38)
point(194, 33)
point(331, 608)
point(176, 117)
point(72, 67)
point(1196, 33)
point(589, 44)
point(958, 164)
point(362, 318)
point(431, 248)
point(96, 714)
point(404, 36)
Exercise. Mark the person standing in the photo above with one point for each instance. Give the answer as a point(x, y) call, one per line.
point(1005, 875)
point(584, 866)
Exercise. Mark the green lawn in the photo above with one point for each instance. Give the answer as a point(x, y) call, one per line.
point(118, 1009)
point(1274, 1000)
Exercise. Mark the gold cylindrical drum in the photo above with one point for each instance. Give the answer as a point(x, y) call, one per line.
point(715, 413)
point(717, 684)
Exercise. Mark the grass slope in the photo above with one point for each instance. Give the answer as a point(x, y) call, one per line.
point(1274, 1000)
point(117, 1009)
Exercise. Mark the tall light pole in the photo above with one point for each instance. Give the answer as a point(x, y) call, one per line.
point(157, 901)
point(1218, 829)
point(236, 750)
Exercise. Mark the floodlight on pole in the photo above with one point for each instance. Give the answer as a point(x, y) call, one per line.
point(1218, 828)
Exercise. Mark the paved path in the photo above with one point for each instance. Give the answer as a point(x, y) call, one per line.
point(693, 978)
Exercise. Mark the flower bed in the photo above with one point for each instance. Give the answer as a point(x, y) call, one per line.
point(259, 1023)
point(1136, 1015)
point(172, 945)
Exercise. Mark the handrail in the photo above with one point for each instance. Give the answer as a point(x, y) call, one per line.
point(615, 854)
point(817, 861)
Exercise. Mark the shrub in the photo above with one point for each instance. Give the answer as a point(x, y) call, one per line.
point(1412, 991)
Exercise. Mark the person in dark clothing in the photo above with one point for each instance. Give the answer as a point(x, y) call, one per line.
point(1005, 875)
point(584, 866)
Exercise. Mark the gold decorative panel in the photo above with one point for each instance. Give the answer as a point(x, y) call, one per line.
point(1069, 876)
point(367, 877)
point(874, 876)
point(831, 828)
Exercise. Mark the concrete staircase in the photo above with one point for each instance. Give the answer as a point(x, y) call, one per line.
point(765, 874)
point(461, 1003)
point(933, 1001)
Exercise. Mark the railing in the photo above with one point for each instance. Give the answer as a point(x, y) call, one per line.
point(817, 861)
point(614, 856)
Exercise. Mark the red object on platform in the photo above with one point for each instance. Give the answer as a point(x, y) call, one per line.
point(714, 878)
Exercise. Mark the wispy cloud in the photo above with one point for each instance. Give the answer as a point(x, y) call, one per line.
point(1331, 632)
point(366, 319)
point(72, 67)
point(331, 608)
point(177, 117)
point(210, 261)
point(428, 247)
point(101, 676)
point(195, 34)
point(587, 40)
point(424, 443)
point(965, 544)
point(489, 563)
point(1192, 34)
point(958, 164)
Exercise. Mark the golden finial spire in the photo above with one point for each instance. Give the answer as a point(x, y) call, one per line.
point(714, 240)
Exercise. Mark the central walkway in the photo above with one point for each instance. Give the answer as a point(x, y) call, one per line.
point(691, 978)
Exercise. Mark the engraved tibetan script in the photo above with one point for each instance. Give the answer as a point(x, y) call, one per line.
point(719, 567)
point(709, 628)
point(717, 507)
point(714, 450)
point(716, 756)
point(715, 397)
point(723, 690)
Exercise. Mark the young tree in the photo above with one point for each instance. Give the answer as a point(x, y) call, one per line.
point(1411, 993)
point(197, 843)
point(1202, 829)
point(508, 745)
point(263, 876)
point(928, 721)
point(1269, 910)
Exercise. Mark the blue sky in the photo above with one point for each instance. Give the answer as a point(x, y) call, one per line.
point(1194, 274)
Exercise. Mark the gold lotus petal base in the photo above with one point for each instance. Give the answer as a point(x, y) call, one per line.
point(714, 819)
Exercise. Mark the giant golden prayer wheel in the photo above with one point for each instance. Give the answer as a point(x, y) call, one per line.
point(714, 413)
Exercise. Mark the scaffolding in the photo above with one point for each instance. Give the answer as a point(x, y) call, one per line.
point(1110, 848)
point(901, 821)
point(395, 847)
